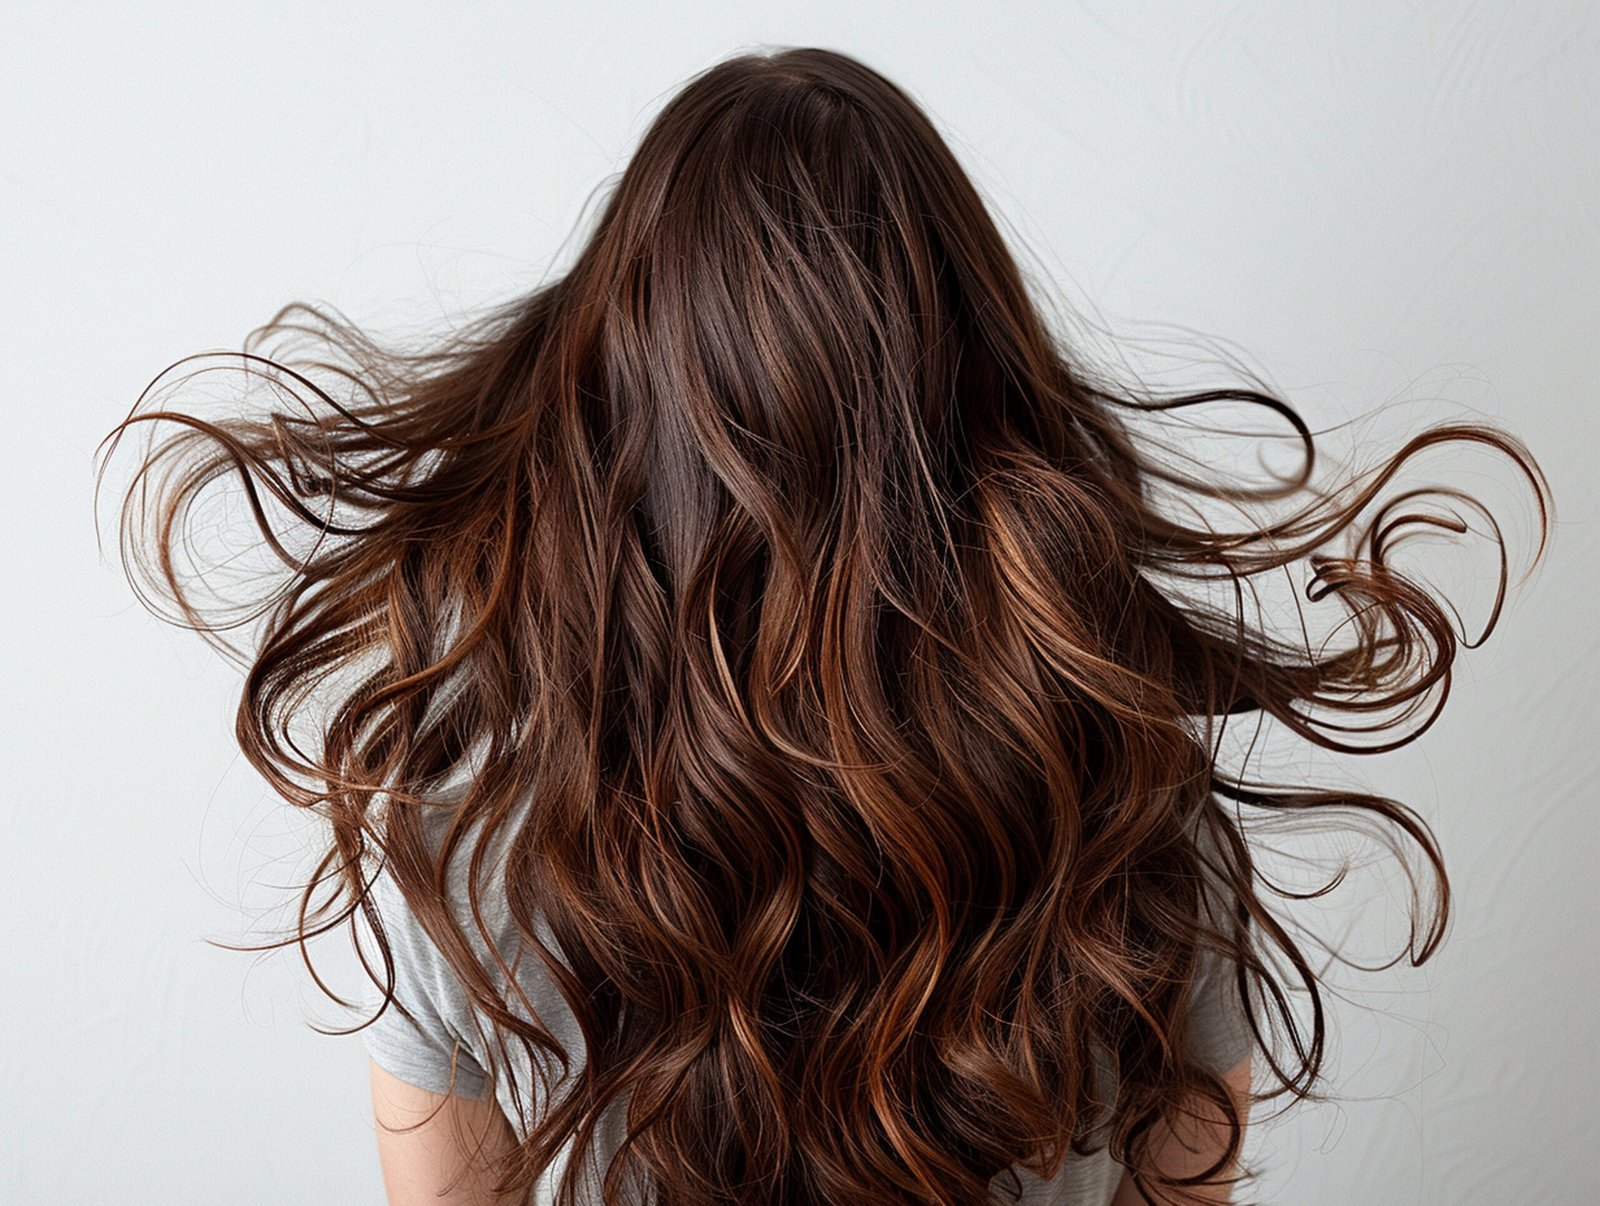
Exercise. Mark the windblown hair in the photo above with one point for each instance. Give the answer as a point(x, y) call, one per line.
point(823, 604)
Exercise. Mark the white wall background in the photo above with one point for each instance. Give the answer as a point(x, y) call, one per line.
point(1370, 201)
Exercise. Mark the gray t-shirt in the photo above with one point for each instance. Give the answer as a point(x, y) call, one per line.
point(445, 1039)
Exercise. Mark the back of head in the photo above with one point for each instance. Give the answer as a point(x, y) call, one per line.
point(790, 566)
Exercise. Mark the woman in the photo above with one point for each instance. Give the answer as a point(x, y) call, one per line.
point(764, 753)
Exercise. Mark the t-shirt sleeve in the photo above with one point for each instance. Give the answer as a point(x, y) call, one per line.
point(419, 1052)
point(1219, 1028)
point(1219, 1025)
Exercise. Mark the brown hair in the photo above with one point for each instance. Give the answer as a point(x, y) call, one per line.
point(811, 588)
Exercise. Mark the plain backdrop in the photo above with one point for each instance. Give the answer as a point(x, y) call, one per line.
point(1375, 205)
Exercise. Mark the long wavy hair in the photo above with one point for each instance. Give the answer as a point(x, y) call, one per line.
point(831, 613)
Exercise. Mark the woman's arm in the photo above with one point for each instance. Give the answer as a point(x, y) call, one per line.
point(1191, 1147)
point(418, 1164)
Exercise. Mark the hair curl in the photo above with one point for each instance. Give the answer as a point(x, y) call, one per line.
point(811, 588)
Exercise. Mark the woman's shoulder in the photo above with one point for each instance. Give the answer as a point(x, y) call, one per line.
point(488, 925)
point(476, 898)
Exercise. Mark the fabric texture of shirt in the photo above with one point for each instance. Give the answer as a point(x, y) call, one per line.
point(443, 1041)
